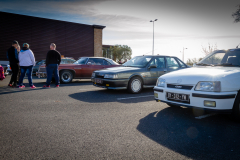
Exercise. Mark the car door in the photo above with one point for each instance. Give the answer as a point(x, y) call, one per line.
point(93, 64)
point(154, 73)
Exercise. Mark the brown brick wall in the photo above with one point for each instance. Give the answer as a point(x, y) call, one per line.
point(97, 42)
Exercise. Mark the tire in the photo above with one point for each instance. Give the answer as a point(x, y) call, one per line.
point(135, 85)
point(236, 109)
point(66, 77)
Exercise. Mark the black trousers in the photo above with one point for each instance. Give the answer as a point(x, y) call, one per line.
point(15, 69)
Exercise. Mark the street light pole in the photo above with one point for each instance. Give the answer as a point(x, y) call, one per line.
point(153, 35)
point(183, 54)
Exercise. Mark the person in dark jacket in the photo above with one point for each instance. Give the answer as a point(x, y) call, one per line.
point(52, 62)
point(12, 56)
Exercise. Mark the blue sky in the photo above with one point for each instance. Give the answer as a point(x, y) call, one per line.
point(181, 23)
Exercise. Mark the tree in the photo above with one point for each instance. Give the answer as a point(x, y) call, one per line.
point(120, 52)
point(236, 15)
point(209, 49)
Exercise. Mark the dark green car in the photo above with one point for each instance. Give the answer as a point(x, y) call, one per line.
point(138, 73)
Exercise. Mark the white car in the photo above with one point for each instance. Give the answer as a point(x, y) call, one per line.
point(212, 84)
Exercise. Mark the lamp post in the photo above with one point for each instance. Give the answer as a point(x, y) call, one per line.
point(153, 35)
point(183, 54)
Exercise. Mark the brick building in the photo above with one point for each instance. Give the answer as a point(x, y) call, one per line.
point(72, 39)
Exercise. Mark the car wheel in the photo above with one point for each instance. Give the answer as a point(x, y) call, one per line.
point(135, 85)
point(66, 76)
point(236, 108)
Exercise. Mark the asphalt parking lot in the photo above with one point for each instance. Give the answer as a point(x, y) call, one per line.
point(80, 121)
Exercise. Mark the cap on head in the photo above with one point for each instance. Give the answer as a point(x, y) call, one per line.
point(25, 45)
point(14, 42)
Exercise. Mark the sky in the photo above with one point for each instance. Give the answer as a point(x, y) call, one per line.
point(191, 24)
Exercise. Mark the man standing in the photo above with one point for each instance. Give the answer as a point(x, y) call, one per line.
point(52, 62)
point(12, 56)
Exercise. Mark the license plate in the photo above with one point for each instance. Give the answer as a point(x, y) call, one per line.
point(177, 97)
point(98, 80)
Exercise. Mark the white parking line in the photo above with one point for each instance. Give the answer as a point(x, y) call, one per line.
point(205, 116)
point(134, 97)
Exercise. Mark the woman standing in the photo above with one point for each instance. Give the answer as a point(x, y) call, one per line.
point(26, 62)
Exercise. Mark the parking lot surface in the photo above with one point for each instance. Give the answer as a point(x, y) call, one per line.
point(80, 121)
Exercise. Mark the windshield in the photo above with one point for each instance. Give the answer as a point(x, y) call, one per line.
point(138, 61)
point(81, 61)
point(222, 58)
point(112, 62)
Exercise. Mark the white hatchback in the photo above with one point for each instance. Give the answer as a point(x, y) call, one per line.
point(212, 84)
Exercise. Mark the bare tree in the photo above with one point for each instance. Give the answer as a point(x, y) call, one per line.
point(209, 49)
point(236, 15)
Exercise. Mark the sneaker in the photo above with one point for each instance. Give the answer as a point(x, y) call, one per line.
point(32, 87)
point(45, 86)
point(57, 85)
point(21, 86)
point(10, 85)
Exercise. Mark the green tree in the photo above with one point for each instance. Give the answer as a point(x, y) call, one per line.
point(236, 15)
point(120, 52)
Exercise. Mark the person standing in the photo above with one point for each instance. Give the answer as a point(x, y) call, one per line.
point(12, 56)
point(26, 63)
point(53, 60)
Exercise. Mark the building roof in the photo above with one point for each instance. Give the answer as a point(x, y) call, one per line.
point(94, 26)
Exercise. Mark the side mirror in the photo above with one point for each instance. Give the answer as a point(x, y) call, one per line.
point(89, 63)
point(152, 66)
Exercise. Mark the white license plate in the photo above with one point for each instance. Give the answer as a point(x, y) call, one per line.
point(177, 96)
point(97, 80)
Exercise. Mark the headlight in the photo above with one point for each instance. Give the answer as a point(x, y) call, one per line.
point(93, 74)
point(111, 76)
point(211, 86)
point(161, 82)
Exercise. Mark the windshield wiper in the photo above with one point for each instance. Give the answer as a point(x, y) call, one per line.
point(226, 64)
point(203, 64)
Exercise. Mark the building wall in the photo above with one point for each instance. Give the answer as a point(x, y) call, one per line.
point(72, 39)
point(97, 42)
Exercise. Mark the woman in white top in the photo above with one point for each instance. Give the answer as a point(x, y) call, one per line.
point(26, 63)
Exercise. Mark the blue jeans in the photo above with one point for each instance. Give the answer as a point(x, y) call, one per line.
point(52, 68)
point(25, 69)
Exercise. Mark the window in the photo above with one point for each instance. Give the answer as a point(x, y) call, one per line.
point(159, 62)
point(172, 63)
point(106, 62)
point(181, 63)
point(139, 61)
point(95, 61)
point(81, 61)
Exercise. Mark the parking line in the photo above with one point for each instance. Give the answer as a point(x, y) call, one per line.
point(205, 116)
point(134, 97)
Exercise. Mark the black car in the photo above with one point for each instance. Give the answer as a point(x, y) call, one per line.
point(138, 73)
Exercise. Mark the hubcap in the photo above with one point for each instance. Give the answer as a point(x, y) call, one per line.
point(136, 85)
point(66, 77)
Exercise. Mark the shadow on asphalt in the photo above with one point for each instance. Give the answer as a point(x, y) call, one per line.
point(215, 137)
point(105, 95)
point(4, 89)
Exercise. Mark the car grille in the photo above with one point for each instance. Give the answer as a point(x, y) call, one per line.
point(42, 70)
point(179, 86)
point(99, 75)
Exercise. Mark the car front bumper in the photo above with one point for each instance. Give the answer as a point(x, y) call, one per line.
point(116, 84)
point(224, 100)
